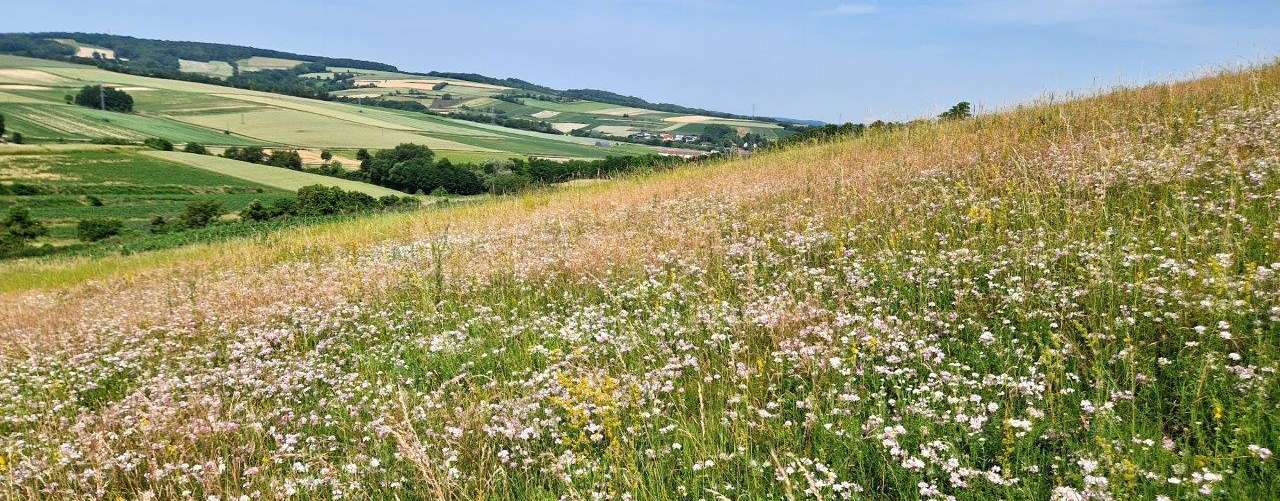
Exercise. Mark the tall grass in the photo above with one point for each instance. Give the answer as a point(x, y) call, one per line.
point(1070, 300)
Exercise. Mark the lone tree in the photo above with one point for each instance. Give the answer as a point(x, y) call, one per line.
point(97, 96)
point(960, 111)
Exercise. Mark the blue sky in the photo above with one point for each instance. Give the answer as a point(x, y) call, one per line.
point(826, 60)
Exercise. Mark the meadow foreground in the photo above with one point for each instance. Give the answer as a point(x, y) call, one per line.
point(1076, 300)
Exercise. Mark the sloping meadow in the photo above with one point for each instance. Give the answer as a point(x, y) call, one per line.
point(1076, 300)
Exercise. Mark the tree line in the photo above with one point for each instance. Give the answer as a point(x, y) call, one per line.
point(147, 54)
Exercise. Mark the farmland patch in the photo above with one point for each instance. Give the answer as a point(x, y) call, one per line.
point(212, 68)
point(568, 126)
point(258, 63)
point(275, 177)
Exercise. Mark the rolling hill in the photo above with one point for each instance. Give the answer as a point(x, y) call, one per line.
point(32, 97)
point(597, 116)
point(1071, 300)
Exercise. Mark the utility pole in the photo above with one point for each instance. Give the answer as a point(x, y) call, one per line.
point(102, 97)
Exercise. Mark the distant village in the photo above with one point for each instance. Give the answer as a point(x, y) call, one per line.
point(665, 136)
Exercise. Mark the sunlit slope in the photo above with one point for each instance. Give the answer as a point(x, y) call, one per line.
point(32, 93)
point(275, 177)
point(1074, 300)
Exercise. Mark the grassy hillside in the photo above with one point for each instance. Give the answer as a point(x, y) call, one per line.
point(63, 185)
point(1072, 300)
point(275, 177)
point(127, 184)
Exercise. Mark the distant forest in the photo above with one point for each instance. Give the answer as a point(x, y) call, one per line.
point(159, 55)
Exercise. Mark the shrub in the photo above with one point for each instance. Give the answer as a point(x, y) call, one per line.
point(158, 224)
point(23, 189)
point(196, 148)
point(255, 212)
point(93, 230)
point(94, 200)
point(18, 227)
point(960, 111)
point(17, 138)
point(284, 207)
point(156, 143)
point(199, 213)
point(508, 182)
point(354, 201)
point(316, 200)
point(388, 201)
point(112, 140)
point(324, 155)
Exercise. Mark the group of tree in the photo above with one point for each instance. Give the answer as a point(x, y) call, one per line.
point(289, 159)
point(156, 143)
point(102, 97)
point(960, 111)
point(831, 132)
point(412, 168)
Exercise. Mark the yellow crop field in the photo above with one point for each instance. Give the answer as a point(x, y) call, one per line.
point(300, 128)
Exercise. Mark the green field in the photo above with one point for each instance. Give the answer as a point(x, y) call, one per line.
point(132, 186)
point(53, 122)
point(275, 177)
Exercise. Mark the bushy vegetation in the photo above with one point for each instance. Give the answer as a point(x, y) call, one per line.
point(18, 228)
point(960, 111)
point(156, 143)
point(199, 213)
point(107, 98)
point(413, 168)
point(93, 230)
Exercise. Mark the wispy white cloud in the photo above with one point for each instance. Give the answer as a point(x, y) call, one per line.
point(1051, 12)
point(850, 9)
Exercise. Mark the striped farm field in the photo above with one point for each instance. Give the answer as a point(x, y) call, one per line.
point(49, 121)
